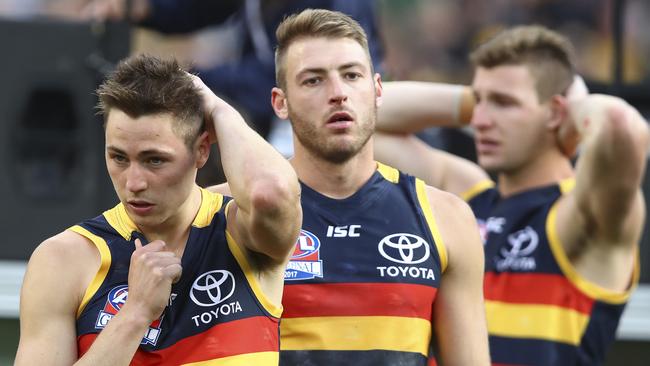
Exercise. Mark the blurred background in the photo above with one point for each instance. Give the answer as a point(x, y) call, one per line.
point(54, 53)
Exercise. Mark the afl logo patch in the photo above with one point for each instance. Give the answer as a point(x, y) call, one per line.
point(307, 245)
point(115, 300)
point(305, 262)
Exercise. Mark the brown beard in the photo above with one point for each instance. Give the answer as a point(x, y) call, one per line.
point(307, 134)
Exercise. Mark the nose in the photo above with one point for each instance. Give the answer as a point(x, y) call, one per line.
point(337, 91)
point(135, 178)
point(480, 116)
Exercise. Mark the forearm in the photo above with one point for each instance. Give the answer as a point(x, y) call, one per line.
point(123, 332)
point(411, 106)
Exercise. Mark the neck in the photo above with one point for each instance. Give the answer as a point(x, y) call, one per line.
point(176, 229)
point(335, 180)
point(547, 169)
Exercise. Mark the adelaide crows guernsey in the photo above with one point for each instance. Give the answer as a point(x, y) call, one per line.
point(217, 313)
point(361, 283)
point(540, 311)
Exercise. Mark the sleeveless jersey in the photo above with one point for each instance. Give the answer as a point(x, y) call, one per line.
point(362, 280)
point(540, 311)
point(217, 313)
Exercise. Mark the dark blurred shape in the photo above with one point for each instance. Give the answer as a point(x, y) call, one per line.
point(51, 141)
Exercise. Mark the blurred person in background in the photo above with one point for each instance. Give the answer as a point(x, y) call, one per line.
point(561, 244)
point(246, 82)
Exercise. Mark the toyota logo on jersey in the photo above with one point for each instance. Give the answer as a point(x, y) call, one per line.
point(213, 288)
point(404, 248)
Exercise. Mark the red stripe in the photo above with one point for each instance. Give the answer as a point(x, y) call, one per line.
point(358, 299)
point(536, 288)
point(250, 335)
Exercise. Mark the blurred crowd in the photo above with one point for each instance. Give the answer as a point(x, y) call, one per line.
point(425, 39)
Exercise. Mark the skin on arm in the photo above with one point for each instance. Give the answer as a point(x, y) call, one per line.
point(267, 215)
point(599, 223)
point(50, 295)
point(435, 167)
point(459, 311)
point(49, 302)
point(412, 106)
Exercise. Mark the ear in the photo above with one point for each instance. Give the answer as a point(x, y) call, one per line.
point(559, 112)
point(562, 126)
point(202, 149)
point(279, 103)
point(379, 91)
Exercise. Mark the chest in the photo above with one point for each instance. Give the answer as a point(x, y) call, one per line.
point(387, 242)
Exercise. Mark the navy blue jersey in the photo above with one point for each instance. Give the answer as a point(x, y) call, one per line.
point(361, 283)
point(216, 310)
point(540, 311)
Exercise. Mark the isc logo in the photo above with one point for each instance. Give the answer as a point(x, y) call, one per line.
point(351, 231)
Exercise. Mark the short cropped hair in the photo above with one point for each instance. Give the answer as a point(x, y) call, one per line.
point(314, 23)
point(147, 85)
point(548, 55)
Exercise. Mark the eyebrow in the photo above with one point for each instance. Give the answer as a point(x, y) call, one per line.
point(144, 153)
point(322, 70)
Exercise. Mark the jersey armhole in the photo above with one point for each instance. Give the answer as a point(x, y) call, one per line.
point(100, 276)
point(268, 305)
point(477, 189)
point(423, 199)
point(589, 288)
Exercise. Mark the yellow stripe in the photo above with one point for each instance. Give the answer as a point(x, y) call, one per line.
point(247, 359)
point(105, 256)
point(546, 322)
point(567, 185)
point(421, 191)
point(271, 307)
point(120, 221)
point(589, 288)
point(476, 189)
point(389, 173)
point(210, 204)
point(356, 333)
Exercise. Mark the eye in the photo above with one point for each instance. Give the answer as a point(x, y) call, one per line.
point(119, 159)
point(312, 81)
point(352, 75)
point(155, 161)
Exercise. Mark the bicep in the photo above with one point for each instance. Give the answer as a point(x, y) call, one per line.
point(609, 173)
point(47, 316)
point(459, 311)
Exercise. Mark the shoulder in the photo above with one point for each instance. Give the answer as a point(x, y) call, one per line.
point(457, 227)
point(66, 260)
point(449, 207)
point(65, 245)
point(223, 189)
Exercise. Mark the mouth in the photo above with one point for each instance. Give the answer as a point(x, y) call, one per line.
point(140, 207)
point(486, 145)
point(340, 120)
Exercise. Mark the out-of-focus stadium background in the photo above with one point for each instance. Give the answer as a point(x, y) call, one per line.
point(51, 142)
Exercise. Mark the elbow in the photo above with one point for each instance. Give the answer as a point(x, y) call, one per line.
point(275, 194)
point(626, 125)
point(625, 135)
